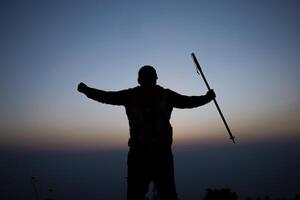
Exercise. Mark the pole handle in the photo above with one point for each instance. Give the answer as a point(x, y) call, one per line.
point(199, 70)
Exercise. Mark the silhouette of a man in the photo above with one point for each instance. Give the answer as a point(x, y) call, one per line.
point(148, 108)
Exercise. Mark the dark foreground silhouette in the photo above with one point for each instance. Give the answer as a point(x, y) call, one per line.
point(221, 194)
point(227, 194)
point(148, 108)
point(211, 194)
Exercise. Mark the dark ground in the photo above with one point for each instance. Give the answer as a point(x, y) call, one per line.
point(250, 170)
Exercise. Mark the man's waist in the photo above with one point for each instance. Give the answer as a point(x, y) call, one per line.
point(151, 143)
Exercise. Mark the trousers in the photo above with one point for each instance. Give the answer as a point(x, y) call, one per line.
point(146, 165)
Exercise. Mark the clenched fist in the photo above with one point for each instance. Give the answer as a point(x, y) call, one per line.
point(81, 87)
point(211, 94)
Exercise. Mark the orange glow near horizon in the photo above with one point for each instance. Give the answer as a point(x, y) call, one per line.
point(108, 130)
point(114, 138)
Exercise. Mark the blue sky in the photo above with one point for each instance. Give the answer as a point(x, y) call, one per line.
point(248, 50)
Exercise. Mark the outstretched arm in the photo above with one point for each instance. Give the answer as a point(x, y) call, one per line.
point(108, 97)
point(182, 101)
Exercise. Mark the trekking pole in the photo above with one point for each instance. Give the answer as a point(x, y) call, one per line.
point(200, 72)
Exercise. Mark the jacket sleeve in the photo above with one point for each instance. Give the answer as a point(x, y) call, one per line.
point(182, 101)
point(108, 97)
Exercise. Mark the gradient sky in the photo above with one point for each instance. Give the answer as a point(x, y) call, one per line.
point(248, 49)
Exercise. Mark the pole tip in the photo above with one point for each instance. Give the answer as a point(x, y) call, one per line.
point(233, 140)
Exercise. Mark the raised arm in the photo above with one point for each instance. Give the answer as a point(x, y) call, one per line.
point(108, 97)
point(182, 101)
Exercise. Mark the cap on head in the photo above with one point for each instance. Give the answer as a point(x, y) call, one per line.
point(147, 75)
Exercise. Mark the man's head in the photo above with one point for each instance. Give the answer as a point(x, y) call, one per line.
point(147, 76)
